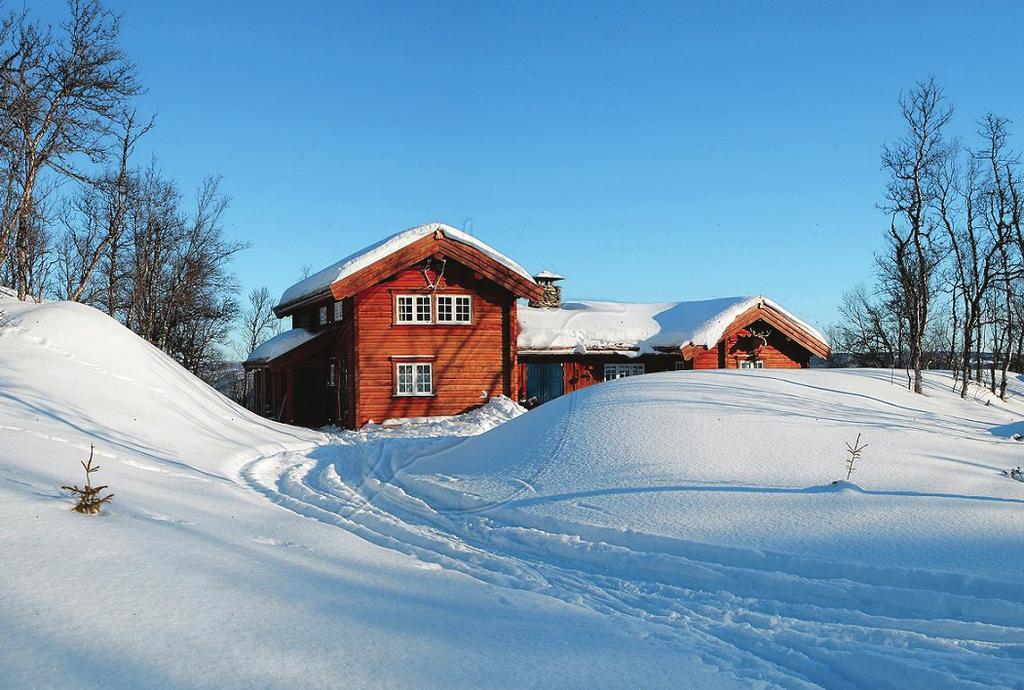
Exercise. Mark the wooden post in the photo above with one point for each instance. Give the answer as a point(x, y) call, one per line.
point(355, 403)
point(289, 399)
point(511, 376)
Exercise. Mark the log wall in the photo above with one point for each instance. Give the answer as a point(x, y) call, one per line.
point(471, 362)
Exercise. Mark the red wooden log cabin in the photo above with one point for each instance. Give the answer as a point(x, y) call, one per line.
point(427, 323)
point(421, 324)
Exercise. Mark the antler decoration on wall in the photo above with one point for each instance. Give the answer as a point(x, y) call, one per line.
point(432, 284)
point(763, 335)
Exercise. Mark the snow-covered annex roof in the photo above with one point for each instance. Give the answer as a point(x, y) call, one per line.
point(602, 326)
point(352, 264)
point(281, 344)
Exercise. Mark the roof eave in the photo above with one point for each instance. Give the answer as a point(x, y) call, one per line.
point(287, 308)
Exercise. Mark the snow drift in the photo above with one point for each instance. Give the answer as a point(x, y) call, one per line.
point(744, 458)
point(704, 503)
point(72, 365)
point(193, 579)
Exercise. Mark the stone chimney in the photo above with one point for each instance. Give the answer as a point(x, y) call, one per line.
point(552, 297)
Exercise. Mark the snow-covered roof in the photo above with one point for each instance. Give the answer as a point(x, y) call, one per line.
point(589, 326)
point(280, 344)
point(322, 280)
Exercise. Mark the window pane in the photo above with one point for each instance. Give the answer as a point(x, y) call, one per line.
point(404, 378)
point(444, 308)
point(423, 378)
point(323, 315)
point(462, 309)
point(337, 311)
point(423, 308)
point(404, 308)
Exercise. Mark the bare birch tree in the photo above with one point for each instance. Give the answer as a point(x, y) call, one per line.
point(978, 246)
point(95, 221)
point(259, 322)
point(914, 250)
point(61, 89)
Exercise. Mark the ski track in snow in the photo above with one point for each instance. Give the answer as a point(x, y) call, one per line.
point(788, 621)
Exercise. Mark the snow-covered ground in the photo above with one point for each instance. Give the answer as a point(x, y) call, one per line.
point(668, 530)
point(193, 579)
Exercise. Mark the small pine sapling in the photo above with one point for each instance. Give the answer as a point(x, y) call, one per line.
point(854, 452)
point(89, 499)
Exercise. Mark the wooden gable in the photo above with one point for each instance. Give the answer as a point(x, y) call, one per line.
point(439, 246)
point(778, 320)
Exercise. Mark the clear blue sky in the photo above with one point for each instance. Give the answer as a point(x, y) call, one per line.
point(646, 151)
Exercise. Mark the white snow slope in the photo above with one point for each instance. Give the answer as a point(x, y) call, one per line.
point(668, 530)
point(702, 504)
point(193, 579)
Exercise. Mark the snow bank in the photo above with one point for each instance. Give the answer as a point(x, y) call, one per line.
point(740, 458)
point(494, 412)
point(73, 364)
point(623, 326)
point(320, 281)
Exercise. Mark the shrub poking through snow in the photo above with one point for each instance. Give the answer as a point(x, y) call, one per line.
point(1016, 473)
point(853, 452)
point(89, 499)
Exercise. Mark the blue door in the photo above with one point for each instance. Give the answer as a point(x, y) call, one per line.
point(544, 381)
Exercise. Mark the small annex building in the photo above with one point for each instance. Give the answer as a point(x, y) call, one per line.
point(428, 323)
point(565, 347)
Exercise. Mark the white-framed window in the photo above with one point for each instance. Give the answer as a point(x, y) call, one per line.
point(619, 371)
point(338, 313)
point(323, 316)
point(454, 309)
point(413, 309)
point(680, 366)
point(414, 378)
point(751, 364)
